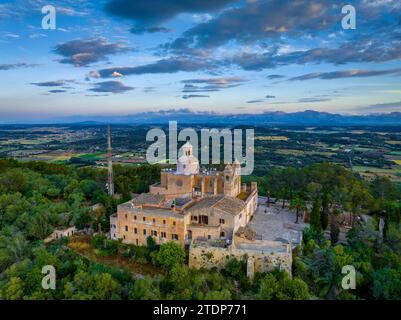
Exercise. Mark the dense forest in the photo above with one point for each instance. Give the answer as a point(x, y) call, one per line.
point(37, 197)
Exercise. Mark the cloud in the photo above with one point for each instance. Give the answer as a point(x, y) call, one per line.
point(382, 107)
point(274, 76)
point(57, 91)
point(261, 20)
point(171, 65)
point(211, 84)
point(313, 100)
point(201, 18)
point(116, 74)
point(5, 67)
point(359, 50)
point(149, 89)
point(141, 30)
point(85, 52)
point(356, 73)
point(154, 12)
point(255, 101)
point(71, 12)
point(270, 97)
point(267, 30)
point(12, 35)
point(111, 86)
point(55, 83)
point(190, 96)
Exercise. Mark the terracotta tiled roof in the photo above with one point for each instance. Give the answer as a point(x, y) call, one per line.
point(148, 198)
point(224, 203)
point(230, 204)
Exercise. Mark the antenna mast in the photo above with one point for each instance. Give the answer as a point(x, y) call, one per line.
point(110, 183)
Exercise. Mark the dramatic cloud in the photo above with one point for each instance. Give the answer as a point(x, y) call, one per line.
point(211, 84)
point(190, 96)
point(84, 52)
point(171, 65)
point(270, 27)
point(258, 20)
point(347, 74)
point(111, 86)
point(5, 67)
point(359, 51)
point(154, 12)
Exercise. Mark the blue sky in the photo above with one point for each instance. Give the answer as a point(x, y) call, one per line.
point(226, 56)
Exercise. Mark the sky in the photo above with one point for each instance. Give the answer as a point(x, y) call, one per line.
point(118, 57)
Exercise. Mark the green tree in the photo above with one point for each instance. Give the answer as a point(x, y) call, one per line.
point(298, 204)
point(292, 289)
point(169, 255)
point(315, 221)
point(268, 288)
point(324, 214)
point(14, 289)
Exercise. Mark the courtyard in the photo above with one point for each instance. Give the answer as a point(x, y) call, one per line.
point(276, 224)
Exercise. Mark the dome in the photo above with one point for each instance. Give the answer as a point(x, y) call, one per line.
point(187, 163)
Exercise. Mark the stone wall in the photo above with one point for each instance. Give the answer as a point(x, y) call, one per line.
point(208, 257)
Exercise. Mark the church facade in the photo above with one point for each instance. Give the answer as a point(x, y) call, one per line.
point(188, 204)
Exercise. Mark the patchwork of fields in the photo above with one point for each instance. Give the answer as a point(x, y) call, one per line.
point(370, 151)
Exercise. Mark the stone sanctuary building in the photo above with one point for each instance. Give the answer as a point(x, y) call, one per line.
point(187, 204)
point(208, 210)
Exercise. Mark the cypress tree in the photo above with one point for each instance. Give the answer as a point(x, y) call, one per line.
point(315, 216)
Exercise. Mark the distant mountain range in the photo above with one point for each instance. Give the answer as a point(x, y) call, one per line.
point(187, 116)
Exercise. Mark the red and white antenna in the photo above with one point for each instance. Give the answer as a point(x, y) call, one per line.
point(110, 183)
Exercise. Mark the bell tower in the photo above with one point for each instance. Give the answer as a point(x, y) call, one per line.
point(229, 181)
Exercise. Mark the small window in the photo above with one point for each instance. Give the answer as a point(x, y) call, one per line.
point(154, 220)
point(124, 237)
point(163, 234)
point(222, 221)
point(144, 218)
point(174, 223)
point(222, 234)
point(135, 230)
point(164, 221)
point(126, 216)
point(136, 241)
point(144, 232)
point(134, 217)
point(126, 228)
point(174, 236)
point(154, 233)
point(209, 236)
